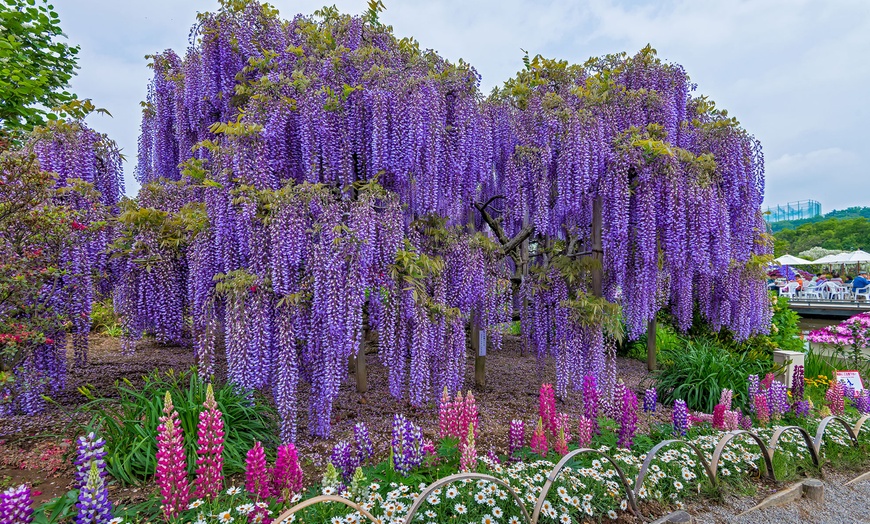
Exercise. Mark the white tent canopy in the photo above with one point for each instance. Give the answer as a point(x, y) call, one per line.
point(828, 259)
point(790, 260)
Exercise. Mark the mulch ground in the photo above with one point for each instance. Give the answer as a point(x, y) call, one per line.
point(38, 450)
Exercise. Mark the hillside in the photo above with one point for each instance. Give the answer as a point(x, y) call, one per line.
point(849, 212)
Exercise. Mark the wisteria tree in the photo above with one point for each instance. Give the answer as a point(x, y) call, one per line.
point(308, 180)
point(56, 193)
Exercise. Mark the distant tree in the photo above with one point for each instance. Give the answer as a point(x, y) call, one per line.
point(35, 66)
point(833, 233)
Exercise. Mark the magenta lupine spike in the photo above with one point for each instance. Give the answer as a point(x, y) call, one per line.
point(560, 445)
point(468, 459)
point(516, 436)
point(627, 419)
point(287, 473)
point(590, 401)
point(768, 380)
point(725, 398)
point(547, 409)
point(798, 384)
point(762, 412)
point(470, 416)
point(563, 423)
point(444, 415)
point(834, 398)
point(719, 417)
point(680, 418)
point(539, 439)
point(171, 473)
point(210, 449)
point(16, 505)
point(584, 432)
point(457, 414)
point(256, 473)
point(732, 420)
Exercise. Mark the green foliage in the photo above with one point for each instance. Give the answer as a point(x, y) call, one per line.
point(846, 234)
point(129, 424)
point(60, 509)
point(667, 340)
point(103, 318)
point(699, 371)
point(35, 66)
point(784, 329)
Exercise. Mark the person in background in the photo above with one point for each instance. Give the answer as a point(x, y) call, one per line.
point(860, 281)
point(800, 280)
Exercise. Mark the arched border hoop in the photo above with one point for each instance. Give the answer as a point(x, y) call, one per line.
point(823, 426)
point(461, 476)
point(325, 498)
point(641, 475)
point(808, 440)
point(731, 435)
point(859, 424)
point(632, 503)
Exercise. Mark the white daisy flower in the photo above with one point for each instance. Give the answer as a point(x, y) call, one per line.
point(461, 509)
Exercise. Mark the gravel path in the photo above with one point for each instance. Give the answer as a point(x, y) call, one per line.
point(843, 504)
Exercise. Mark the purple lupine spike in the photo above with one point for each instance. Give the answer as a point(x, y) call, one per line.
point(516, 436)
point(16, 505)
point(650, 397)
point(680, 418)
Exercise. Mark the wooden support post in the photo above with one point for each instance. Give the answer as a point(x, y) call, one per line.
point(597, 248)
point(651, 345)
point(362, 376)
point(478, 346)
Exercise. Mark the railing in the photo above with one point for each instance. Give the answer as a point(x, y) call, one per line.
point(768, 450)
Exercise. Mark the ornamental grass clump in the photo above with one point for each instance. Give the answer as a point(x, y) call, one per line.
point(171, 473)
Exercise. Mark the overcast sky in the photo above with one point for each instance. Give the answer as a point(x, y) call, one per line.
point(796, 73)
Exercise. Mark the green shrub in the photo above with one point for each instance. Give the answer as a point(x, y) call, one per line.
point(104, 320)
point(698, 371)
point(129, 423)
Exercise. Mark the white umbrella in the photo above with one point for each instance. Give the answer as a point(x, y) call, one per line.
point(789, 260)
point(854, 257)
point(827, 259)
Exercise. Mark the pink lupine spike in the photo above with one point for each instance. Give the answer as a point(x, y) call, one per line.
point(171, 473)
point(210, 447)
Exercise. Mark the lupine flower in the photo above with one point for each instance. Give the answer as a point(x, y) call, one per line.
point(445, 411)
point(364, 448)
point(210, 448)
point(516, 436)
point(547, 408)
point(614, 405)
point(468, 459)
point(256, 472)
point(407, 445)
point(560, 445)
point(628, 419)
point(563, 423)
point(862, 402)
point(90, 450)
point(848, 391)
point(16, 505)
point(797, 384)
point(93, 501)
point(762, 412)
point(834, 397)
point(650, 397)
point(719, 417)
point(171, 474)
point(287, 474)
point(584, 432)
point(93, 504)
point(725, 398)
point(768, 380)
point(746, 422)
point(344, 460)
point(539, 439)
point(752, 387)
point(590, 401)
point(429, 449)
point(680, 417)
point(777, 400)
point(732, 419)
point(802, 408)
